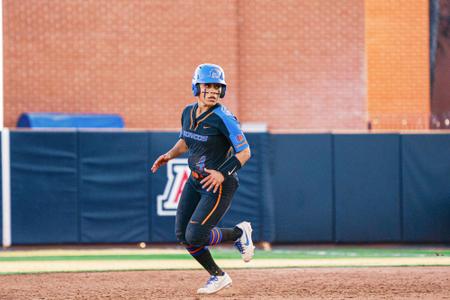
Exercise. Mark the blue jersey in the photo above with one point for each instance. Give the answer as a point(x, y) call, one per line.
point(212, 137)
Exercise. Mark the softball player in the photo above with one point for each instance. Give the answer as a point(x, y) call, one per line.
point(217, 149)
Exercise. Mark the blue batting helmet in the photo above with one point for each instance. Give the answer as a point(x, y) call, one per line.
point(208, 73)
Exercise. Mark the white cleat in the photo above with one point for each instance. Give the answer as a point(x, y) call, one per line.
point(215, 284)
point(245, 244)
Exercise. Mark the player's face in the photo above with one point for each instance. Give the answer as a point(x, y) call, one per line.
point(210, 93)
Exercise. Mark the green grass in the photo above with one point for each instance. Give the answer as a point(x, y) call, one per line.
point(232, 254)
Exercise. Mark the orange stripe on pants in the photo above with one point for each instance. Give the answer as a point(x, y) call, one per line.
point(215, 206)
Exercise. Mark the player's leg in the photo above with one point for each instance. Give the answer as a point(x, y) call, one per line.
point(202, 231)
point(211, 209)
point(188, 203)
point(189, 200)
point(198, 233)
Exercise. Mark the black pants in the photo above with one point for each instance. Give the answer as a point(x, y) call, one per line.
point(199, 211)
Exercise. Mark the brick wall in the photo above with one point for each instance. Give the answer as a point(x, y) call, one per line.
point(397, 46)
point(292, 64)
point(135, 58)
point(302, 66)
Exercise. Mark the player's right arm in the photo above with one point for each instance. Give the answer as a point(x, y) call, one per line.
point(179, 148)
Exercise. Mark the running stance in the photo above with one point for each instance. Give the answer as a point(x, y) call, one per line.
point(217, 150)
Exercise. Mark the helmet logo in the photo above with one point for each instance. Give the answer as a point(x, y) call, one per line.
point(215, 74)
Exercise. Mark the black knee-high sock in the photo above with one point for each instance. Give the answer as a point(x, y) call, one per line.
point(230, 234)
point(220, 235)
point(203, 256)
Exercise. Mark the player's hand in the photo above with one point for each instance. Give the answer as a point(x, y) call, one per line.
point(213, 180)
point(161, 161)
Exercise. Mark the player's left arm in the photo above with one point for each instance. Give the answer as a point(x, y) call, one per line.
point(231, 129)
point(244, 156)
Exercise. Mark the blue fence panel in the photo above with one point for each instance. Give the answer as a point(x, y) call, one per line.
point(426, 188)
point(113, 167)
point(302, 185)
point(44, 187)
point(267, 192)
point(367, 187)
point(96, 187)
point(165, 192)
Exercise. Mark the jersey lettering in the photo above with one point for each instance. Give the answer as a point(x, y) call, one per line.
point(194, 136)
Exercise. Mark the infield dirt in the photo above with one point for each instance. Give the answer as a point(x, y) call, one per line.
point(298, 283)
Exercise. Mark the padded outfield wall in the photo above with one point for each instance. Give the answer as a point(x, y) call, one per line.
point(74, 187)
